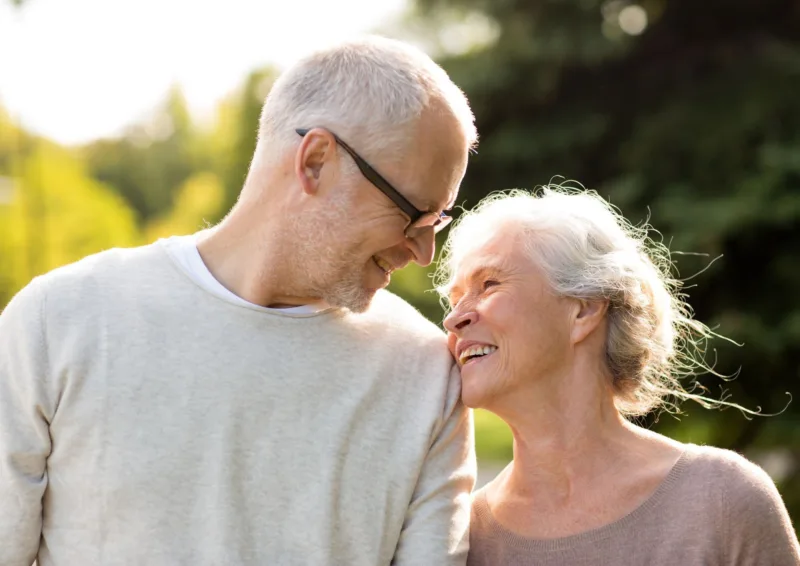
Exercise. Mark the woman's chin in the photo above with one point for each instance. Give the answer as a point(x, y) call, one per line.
point(473, 394)
point(476, 382)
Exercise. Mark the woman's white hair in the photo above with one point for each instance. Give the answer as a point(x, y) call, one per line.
point(587, 250)
point(370, 91)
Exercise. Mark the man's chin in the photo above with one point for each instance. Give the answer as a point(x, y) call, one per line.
point(353, 299)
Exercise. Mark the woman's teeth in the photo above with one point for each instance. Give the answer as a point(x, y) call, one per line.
point(476, 351)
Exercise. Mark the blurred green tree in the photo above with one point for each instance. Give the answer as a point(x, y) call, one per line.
point(198, 200)
point(53, 213)
point(232, 140)
point(148, 164)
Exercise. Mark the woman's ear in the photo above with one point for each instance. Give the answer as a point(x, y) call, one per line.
point(588, 316)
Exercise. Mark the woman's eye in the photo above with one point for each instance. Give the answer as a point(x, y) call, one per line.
point(490, 283)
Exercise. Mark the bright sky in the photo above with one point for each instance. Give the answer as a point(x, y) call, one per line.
point(75, 70)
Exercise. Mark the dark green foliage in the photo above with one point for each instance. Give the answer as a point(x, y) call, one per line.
point(695, 124)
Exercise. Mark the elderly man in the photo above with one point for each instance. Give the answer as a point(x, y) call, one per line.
point(251, 394)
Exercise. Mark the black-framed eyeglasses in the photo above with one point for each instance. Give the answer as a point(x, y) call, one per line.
point(419, 220)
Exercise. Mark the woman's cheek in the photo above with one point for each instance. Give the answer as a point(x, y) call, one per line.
point(451, 343)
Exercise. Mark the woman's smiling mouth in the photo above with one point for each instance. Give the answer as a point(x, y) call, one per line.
point(476, 352)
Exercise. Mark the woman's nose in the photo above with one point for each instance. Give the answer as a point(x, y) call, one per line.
point(458, 320)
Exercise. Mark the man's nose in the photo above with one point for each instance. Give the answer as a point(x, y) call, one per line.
point(423, 246)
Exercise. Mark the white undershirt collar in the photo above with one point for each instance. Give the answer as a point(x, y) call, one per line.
point(183, 250)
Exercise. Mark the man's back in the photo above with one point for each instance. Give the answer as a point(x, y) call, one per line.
point(164, 425)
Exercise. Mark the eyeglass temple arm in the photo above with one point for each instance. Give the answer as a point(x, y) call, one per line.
point(375, 177)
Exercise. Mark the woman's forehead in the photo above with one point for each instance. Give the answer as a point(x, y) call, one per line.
point(489, 260)
point(493, 249)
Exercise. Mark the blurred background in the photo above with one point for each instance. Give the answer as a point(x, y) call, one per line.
point(129, 120)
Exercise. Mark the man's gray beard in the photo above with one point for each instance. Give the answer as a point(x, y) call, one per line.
point(348, 291)
point(341, 283)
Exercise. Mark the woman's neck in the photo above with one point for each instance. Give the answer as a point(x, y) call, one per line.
point(559, 454)
point(570, 439)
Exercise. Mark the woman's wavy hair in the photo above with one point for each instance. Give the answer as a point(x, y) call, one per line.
point(588, 250)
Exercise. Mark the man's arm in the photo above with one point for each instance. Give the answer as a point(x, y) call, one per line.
point(24, 433)
point(436, 528)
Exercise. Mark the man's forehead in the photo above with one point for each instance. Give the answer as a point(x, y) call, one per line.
point(436, 162)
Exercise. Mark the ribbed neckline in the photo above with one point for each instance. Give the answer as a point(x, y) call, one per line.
point(619, 526)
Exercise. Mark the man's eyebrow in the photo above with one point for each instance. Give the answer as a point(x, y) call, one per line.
point(434, 207)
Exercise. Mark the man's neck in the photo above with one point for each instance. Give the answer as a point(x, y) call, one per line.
point(252, 264)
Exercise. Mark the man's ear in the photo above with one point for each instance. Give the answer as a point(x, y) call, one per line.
point(588, 316)
point(316, 149)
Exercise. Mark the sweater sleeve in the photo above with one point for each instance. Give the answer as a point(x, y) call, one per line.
point(24, 432)
point(758, 528)
point(436, 527)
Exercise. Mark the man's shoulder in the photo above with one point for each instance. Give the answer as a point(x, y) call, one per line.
point(76, 286)
point(100, 270)
point(393, 323)
point(107, 261)
point(392, 311)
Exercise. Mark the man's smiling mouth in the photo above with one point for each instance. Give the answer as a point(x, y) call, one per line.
point(383, 264)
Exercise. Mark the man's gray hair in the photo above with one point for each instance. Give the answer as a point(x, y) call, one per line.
point(370, 91)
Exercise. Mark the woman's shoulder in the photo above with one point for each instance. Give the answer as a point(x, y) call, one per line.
point(726, 465)
point(482, 522)
point(479, 503)
point(753, 517)
point(744, 486)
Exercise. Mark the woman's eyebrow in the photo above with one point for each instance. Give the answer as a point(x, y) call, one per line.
point(486, 270)
point(483, 271)
point(453, 291)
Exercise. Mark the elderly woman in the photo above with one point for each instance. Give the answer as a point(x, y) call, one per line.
point(566, 323)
